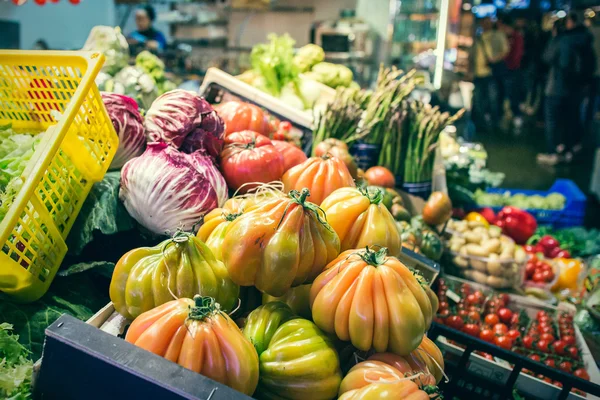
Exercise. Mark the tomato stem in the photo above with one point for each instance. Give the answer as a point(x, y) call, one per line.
point(300, 198)
point(374, 258)
point(231, 216)
point(204, 307)
point(374, 198)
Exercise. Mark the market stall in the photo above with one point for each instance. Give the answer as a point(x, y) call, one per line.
point(280, 234)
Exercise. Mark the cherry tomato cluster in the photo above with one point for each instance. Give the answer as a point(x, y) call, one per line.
point(283, 130)
point(547, 338)
point(538, 271)
point(549, 247)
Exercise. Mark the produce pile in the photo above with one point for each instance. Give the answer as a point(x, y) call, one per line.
point(546, 335)
point(552, 201)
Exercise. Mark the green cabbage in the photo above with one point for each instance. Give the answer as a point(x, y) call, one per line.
point(307, 56)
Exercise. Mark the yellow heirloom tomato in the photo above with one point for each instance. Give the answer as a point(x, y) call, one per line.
point(298, 298)
point(262, 323)
point(183, 266)
point(197, 335)
point(372, 300)
point(360, 219)
point(279, 243)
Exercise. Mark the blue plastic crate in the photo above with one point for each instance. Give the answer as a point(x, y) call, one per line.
point(571, 215)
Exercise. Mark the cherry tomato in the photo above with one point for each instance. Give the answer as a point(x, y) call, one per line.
point(488, 356)
point(474, 316)
point(465, 289)
point(443, 305)
point(547, 336)
point(534, 357)
point(503, 342)
point(479, 296)
point(505, 315)
point(471, 329)
point(444, 313)
point(569, 340)
point(547, 275)
point(285, 125)
point(487, 335)
point(538, 277)
point(513, 334)
point(529, 270)
point(500, 329)
point(573, 352)
point(504, 299)
point(471, 299)
point(566, 366)
point(544, 319)
point(582, 373)
point(515, 319)
point(528, 342)
point(545, 329)
point(542, 345)
point(463, 313)
point(540, 314)
point(550, 362)
point(567, 332)
point(491, 319)
point(455, 322)
point(559, 347)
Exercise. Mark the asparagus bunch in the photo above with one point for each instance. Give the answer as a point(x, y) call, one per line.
point(425, 123)
point(341, 119)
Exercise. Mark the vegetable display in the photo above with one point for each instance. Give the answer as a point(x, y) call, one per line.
point(238, 116)
point(199, 336)
point(360, 219)
point(372, 300)
point(249, 157)
point(300, 362)
point(129, 125)
point(280, 243)
point(578, 241)
point(164, 190)
point(263, 322)
point(321, 175)
point(183, 266)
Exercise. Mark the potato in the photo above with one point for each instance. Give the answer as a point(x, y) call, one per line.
point(494, 267)
point(458, 239)
point(476, 250)
point(479, 265)
point(472, 237)
point(468, 273)
point(475, 224)
point(455, 247)
point(498, 283)
point(480, 277)
point(460, 262)
point(461, 227)
point(491, 245)
point(507, 254)
point(520, 255)
point(494, 231)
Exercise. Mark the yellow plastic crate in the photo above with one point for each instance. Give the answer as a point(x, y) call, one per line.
point(53, 90)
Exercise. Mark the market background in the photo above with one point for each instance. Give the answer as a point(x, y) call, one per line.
point(222, 34)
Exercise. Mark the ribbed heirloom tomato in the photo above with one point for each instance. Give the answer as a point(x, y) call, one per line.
point(374, 380)
point(280, 243)
point(374, 301)
point(250, 157)
point(183, 266)
point(292, 155)
point(360, 219)
point(321, 175)
point(197, 335)
point(298, 298)
point(262, 323)
point(216, 222)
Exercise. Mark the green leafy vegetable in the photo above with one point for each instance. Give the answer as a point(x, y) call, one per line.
point(332, 75)
point(307, 56)
point(102, 212)
point(274, 61)
point(15, 366)
point(580, 242)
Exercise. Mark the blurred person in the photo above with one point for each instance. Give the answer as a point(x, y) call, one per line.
point(146, 36)
point(571, 60)
point(490, 49)
point(512, 81)
point(534, 69)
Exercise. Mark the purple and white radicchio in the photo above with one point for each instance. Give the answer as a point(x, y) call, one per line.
point(163, 190)
point(204, 163)
point(186, 121)
point(129, 124)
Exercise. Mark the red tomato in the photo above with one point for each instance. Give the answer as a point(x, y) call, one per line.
point(567, 332)
point(505, 315)
point(292, 155)
point(543, 346)
point(455, 322)
point(515, 320)
point(444, 313)
point(491, 319)
point(250, 157)
point(443, 305)
point(504, 299)
point(550, 362)
point(573, 352)
point(548, 275)
point(559, 347)
point(239, 116)
point(500, 329)
point(538, 277)
point(582, 373)
point(545, 329)
point(380, 176)
point(503, 341)
point(513, 334)
point(487, 335)
point(547, 336)
point(479, 296)
point(540, 314)
point(569, 340)
point(471, 299)
point(471, 329)
point(529, 270)
point(566, 366)
point(474, 316)
point(463, 313)
point(534, 357)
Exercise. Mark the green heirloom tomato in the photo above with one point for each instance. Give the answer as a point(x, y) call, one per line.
point(300, 363)
point(431, 245)
point(262, 323)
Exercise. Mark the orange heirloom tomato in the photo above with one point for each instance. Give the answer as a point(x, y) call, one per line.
point(292, 154)
point(427, 358)
point(372, 300)
point(197, 335)
point(375, 380)
point(280, 243)
point(360, 219)
point(321, 175)
point(298, 298)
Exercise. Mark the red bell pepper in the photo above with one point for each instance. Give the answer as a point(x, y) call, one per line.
point(516, 223)
point(488, 214)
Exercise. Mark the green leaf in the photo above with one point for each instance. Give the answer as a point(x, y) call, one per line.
point(15, 366)
point(104, 268)
point(102, 212)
